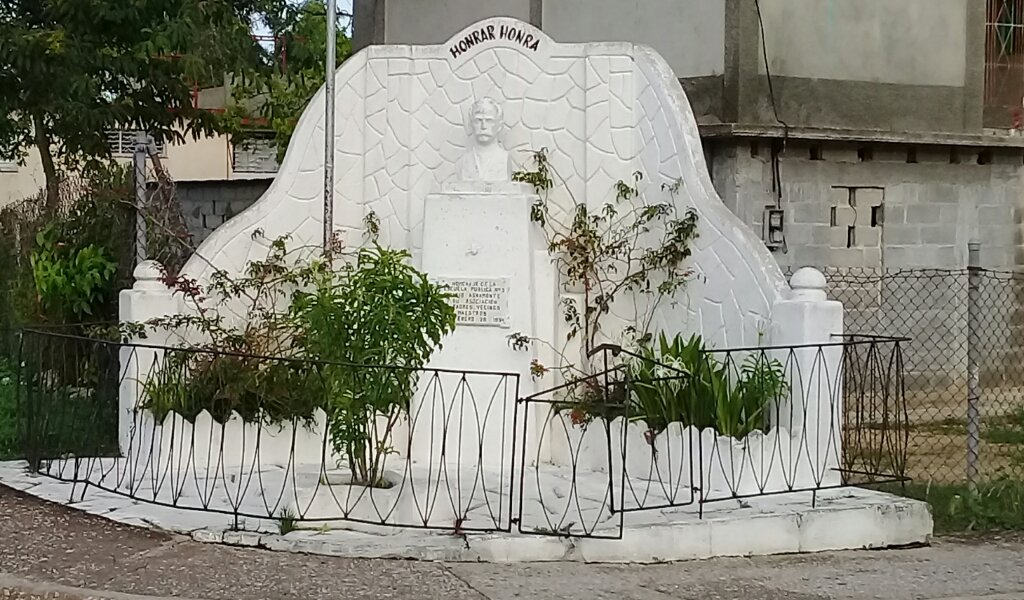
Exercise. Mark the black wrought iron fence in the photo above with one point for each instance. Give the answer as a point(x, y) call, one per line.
point(270, 438)
point(317, 443)
point(689, 426)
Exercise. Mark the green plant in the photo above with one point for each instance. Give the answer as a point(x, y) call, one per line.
point(662, 383)
point(745, 408)
point(379, 320)
point(634, 245)
point(287, 521)
point(260, 389)
point(10, 441)
point(680, 381)
point(70, 251)
point(70, 282)
point(348, 333)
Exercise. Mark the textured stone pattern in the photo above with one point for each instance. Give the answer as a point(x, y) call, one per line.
point(206, 205)
point(603, 111)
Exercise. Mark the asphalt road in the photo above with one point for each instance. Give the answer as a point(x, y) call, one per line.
point(50, 551)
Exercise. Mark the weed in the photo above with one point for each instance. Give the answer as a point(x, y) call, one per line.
point(287, 521)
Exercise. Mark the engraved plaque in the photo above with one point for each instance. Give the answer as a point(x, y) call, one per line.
point(479, 301)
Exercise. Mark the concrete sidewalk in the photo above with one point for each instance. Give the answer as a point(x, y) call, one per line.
point(50, 551)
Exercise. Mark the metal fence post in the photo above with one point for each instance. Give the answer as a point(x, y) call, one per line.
point(973, 375)
point(140, 156)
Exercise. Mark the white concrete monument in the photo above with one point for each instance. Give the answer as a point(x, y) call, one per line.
point(479, 240)
point(426, 141)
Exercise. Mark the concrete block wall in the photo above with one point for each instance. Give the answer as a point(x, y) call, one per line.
point(931, 202)
point(911, 211)
point(206, 205)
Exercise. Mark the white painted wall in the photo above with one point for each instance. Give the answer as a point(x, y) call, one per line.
point(18, 182)
point(689, 34)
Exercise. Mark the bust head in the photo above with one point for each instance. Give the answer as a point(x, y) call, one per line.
point(484, 122)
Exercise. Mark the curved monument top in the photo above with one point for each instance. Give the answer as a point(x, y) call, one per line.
point(602, 110)
point(498, 31)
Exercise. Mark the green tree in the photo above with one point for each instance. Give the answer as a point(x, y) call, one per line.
point(70, 70)
point(272, 95)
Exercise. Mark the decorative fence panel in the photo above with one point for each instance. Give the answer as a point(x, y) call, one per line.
point(317, 443)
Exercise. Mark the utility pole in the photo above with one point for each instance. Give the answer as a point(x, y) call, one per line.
point(332, 22)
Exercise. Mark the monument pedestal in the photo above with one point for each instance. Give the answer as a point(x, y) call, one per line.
point(479, 240)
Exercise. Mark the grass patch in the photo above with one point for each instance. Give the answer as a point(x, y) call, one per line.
point(996, 506)
point(10, 438)
point(1007, 430)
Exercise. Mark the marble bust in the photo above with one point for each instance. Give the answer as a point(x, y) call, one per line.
point(485, 159)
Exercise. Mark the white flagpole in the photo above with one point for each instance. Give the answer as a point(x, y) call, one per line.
point(332, 19)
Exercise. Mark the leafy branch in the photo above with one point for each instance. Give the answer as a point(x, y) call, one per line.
point(631, 245)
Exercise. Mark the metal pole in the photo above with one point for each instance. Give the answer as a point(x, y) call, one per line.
point(332, 21)
point(139, 157)
point(973, 345)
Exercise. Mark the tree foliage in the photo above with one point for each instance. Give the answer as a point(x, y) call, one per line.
point(272, 94)
point(70, 70)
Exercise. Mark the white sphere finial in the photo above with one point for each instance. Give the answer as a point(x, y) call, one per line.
point(808, 283)
point(149, 275)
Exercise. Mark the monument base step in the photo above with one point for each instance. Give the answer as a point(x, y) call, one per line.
point(839, 519)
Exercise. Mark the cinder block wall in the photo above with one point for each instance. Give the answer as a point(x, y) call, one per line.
point(206, 205)
point(881, 216)
point(909, 207)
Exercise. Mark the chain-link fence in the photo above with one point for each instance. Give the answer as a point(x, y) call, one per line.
point(161, 232)
point(960, 322)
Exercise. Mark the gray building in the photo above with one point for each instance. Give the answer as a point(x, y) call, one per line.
point(883, 130)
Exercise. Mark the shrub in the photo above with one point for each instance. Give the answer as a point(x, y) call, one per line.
point(681, 381)
point(348, 333)
point(259, 389)
point(57, 267)
point(10, 439)
point(71, 283)
point(380, 320)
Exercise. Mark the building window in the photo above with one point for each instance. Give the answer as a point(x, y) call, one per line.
point(122, 143)
point(8, 166)
point(256, 155)
point(1004, 56)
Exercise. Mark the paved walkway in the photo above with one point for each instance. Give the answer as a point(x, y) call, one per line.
point(50, 551)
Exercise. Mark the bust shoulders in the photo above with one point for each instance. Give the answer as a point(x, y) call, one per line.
point(484, 164)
